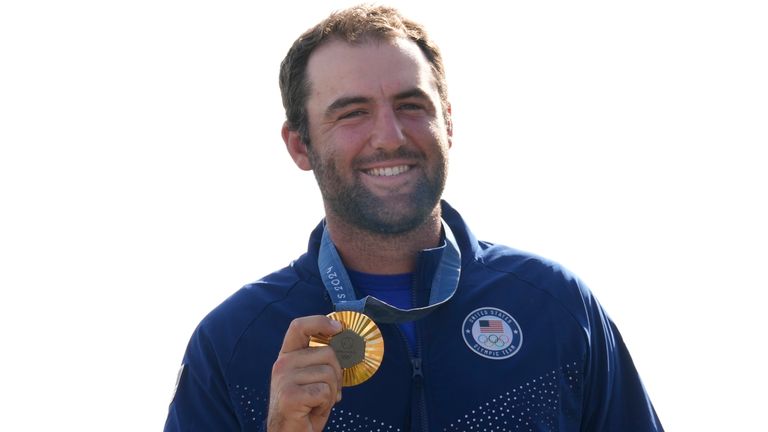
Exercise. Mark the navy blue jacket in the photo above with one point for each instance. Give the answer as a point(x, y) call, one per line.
point(522, 346)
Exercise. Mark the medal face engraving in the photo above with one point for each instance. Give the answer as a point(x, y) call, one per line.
point(349, 347)
point(359, 347)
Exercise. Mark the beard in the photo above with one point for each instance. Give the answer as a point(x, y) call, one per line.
point(356, 205)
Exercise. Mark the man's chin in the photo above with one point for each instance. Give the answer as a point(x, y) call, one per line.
point(393, 220)
point(390, 214)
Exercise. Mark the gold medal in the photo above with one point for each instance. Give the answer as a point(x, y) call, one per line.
point(359, 346)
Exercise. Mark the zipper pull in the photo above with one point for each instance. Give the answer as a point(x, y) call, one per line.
point(416, 363)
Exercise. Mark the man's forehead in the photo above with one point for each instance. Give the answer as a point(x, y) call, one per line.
point(339, 66)
point(364, 42)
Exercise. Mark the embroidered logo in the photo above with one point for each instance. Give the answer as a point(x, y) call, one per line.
point(492, 333)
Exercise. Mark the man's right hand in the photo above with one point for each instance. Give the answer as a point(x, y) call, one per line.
point(306, 381)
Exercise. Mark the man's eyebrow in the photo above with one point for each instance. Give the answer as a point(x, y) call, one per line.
point(343, 102)
point(414, 92)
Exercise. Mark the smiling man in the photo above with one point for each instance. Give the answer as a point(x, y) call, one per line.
point(429, 328)
point(378, 140)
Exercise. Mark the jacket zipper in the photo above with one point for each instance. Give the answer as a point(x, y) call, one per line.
point(419, 416)
point(418, 399)
point(418, 420)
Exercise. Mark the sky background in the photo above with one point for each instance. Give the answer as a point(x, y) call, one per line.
point(143, 180)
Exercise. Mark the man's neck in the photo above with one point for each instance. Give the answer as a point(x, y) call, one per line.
point(374, 253)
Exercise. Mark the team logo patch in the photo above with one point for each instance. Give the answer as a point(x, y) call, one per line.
point(492, 333)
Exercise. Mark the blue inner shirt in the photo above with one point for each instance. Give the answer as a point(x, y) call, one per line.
point(392, 289)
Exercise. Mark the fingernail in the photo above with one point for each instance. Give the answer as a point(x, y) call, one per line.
point(338, 396)
point(336, 325)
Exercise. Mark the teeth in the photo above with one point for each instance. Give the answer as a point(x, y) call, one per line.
point(389, 171)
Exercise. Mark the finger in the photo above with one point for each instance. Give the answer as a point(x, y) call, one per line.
point(328, 374)
point(300, 330)
point(319, 414)
point(325, 376)
point(315, 374)
point(288, 365)
point(294, 403)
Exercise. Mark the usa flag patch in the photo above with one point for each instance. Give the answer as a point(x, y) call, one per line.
point(492, 333)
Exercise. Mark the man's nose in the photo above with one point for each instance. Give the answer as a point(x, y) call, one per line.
point(388, 133)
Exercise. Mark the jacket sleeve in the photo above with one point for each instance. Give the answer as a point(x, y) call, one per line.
point(201, 401)
point(614, 398)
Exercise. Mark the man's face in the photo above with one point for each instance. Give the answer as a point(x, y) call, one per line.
point(379, 140)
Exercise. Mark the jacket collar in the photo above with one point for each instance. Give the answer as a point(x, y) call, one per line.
point(428, 259)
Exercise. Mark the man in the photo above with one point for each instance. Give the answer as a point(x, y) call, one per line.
point(476, 336)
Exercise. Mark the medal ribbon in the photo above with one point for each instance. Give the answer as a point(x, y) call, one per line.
point(339, 286)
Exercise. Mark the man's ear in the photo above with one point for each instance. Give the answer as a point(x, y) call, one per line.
point(449, 124)
point(296, 147)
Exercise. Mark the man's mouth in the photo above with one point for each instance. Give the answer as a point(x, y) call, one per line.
point(388, 171)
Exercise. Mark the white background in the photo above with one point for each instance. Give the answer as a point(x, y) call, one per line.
point(143, 180)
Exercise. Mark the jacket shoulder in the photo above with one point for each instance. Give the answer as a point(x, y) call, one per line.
point(226, 324)
point(539, 273)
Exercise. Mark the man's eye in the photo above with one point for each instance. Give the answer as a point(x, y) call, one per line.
point(410, 107)
point(351, 114)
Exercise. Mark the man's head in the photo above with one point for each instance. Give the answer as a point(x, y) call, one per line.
point(374, 110)
point(355, 25)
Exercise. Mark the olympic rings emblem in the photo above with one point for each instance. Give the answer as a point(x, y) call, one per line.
point(498, 341)
point(492, 333)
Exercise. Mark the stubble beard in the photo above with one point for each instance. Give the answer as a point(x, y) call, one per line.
point(354, 204)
